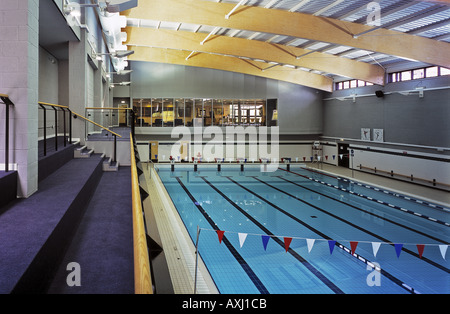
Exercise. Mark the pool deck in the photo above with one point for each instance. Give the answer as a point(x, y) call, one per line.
point(403, 187)
point(179, 249)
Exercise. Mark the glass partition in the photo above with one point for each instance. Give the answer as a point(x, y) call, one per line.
point(167, 114)
point(198, 112)
point(157, 107)
point(170, 112)
point(207, 112)
point(217, 112)
point(179, 112)
point(188, 112)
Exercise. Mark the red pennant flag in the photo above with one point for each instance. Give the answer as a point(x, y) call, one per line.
point(353, 245)
point(304, 158)
point(287, 242)
point(326, 157)
point(220, 234)
point(420, 248)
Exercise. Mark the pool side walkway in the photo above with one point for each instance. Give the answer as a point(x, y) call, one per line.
point(177, 245)
point(410, 189)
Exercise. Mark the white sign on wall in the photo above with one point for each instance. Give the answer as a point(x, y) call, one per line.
point(378, 135)
point(365, 134)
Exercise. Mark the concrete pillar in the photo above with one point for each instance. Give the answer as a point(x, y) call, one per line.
point(77, 84)
point(19, 59)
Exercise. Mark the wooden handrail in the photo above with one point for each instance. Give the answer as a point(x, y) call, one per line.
point(52, 105)
point(100, 126)
point(142, 278)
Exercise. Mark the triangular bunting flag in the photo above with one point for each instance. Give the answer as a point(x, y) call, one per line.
point(310, 243)
point(353, 245)
point(220, 234)
point(334, 156)
point(420, 248)
point(311, 158)
point(375, 247)
point(331, 244)
point(318, 158)
point(398, 248)
point(242, 237)
point(443, 249)
point(287, 242)
point(341, 155)
point(265, 240)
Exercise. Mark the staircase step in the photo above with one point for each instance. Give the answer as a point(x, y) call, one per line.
point(83, 152)
point(109, 165)
point(103, 243)
point(36, 231)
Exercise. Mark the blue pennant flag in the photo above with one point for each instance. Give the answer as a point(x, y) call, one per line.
point(331, 244)
point(265, 240)
point(398, 248)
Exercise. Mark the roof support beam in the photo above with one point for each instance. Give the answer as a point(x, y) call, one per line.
point(258, 19)
point(256, 50)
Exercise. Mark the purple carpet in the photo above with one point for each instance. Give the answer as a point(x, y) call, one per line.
point(34, 231)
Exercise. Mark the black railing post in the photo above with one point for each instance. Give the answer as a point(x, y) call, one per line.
point(5, 99)
point(115, 148)
point(64, 123)
point(7, 139)
point(133, 125)
point(70, 125)
point(56, 128)
point(45, 129)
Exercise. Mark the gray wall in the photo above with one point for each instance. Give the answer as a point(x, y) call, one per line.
point(299, 107)
point(406, 119)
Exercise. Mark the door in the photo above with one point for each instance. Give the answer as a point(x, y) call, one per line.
point(343, 155)
point(154, 151)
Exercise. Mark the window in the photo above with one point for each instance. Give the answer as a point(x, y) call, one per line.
point(406, 76)
point(432, 71)
point(445, 71)
point(173, 112)
point(418, 74)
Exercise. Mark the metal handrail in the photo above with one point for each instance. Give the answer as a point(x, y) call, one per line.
point(55, 108)
point(142, 277)
point(95, 123)
point(5, 99)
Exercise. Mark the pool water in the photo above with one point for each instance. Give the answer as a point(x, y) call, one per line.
point(303, 231)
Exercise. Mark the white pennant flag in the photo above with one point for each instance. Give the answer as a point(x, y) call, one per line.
point(242, 237)
point(375, 247)
point(341, 155)
point(443, 249)
point(310, 243)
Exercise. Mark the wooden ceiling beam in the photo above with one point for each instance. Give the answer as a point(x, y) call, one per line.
point(300, 25)
point(255, 50)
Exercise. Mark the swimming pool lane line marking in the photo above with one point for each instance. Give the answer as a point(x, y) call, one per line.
point(366, 212)
point(373, 199)
point(253, 277)
point(433, 263)
point(396, 194)
point(324, 236)
point(297, 256)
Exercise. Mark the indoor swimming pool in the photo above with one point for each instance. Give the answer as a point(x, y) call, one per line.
point(303, 231)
